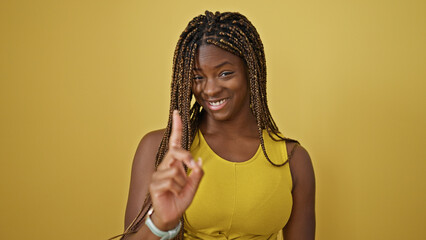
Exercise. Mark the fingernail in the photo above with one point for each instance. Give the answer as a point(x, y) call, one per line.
point(200, 162)
point(192, 163)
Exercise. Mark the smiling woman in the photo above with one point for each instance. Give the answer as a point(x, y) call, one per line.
point(249, 181)
point(220, 84)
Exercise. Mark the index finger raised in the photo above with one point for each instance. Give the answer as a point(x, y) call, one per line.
point(175, 140)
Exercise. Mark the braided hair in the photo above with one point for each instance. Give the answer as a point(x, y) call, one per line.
point(234, 33)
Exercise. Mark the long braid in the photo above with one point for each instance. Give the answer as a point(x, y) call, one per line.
point(234, 33)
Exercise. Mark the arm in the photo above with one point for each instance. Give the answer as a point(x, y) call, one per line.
point(171, 189)
point(301, 225)
point(142, 169)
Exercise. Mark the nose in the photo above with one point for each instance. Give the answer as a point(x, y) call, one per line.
point(211, 87)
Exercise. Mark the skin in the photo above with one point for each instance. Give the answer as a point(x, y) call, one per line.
point(219, 75)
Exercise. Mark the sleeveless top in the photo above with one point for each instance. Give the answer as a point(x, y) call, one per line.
point(240, 200)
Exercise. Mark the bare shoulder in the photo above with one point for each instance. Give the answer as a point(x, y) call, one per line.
point(149, 145)
point(144, 160)
point(300, 164)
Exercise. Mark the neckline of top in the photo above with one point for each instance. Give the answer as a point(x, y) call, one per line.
point(251, 159)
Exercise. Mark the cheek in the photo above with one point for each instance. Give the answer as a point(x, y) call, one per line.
point(241, 87)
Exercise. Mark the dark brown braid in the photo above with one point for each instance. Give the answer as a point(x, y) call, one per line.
point(234, 33)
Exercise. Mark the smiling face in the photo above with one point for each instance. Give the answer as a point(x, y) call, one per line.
point(220, 83)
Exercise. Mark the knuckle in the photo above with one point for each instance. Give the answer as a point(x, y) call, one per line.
point(174, 171)
point(172, 152)
point(184, 153)
point(156, 195)
point(169, 183)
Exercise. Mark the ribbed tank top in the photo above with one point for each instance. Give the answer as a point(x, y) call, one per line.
point(240, 200)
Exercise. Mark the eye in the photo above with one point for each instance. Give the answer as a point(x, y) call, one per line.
point(226, 73)
point(197, 78)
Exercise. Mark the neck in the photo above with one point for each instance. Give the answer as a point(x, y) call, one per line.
point(242, 126)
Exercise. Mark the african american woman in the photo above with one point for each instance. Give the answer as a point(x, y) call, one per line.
point(221, 169)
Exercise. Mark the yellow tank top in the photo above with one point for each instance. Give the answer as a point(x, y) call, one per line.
point(240, 200)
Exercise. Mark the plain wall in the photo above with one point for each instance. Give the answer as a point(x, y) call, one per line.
point(83, 81)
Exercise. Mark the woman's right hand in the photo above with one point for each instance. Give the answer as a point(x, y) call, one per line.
point(171, 189)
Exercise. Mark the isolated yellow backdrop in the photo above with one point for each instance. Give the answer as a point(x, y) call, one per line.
point(83, 81)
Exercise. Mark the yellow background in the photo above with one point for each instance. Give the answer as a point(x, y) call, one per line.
point(83, 81)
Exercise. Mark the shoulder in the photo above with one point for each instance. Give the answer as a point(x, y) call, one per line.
point(300, 164)
point(148, 147)
point(152, 139)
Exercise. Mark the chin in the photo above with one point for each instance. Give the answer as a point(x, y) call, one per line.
point(219, 116)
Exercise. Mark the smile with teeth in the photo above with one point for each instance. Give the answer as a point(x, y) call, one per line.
point(217, 103)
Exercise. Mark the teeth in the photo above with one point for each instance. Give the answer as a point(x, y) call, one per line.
point(217, 103)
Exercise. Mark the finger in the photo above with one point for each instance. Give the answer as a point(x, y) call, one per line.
point(174, 173)
point(196, 174)
point(160, 187)
point(181, 169)
point(176, 155)
point(176, 134)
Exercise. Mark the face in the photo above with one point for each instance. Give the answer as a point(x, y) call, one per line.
point(220, 83)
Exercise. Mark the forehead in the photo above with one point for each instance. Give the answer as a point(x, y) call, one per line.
point(209, 55)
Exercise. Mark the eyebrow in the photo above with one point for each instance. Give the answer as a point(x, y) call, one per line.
point(217, 66)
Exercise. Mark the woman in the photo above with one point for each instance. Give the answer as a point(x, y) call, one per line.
point(248, 182)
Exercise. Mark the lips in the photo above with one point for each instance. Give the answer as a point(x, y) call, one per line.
point(217, 105)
